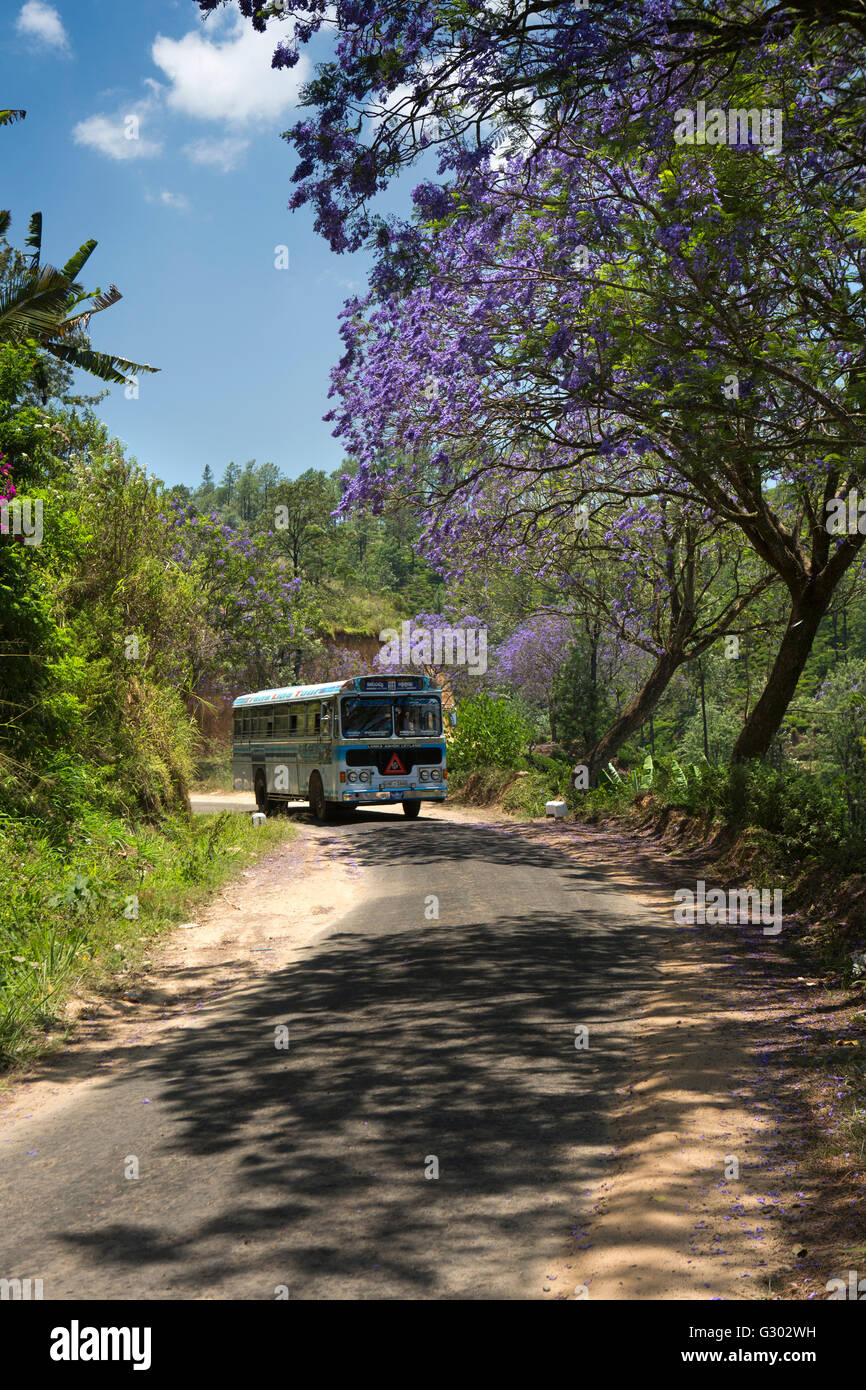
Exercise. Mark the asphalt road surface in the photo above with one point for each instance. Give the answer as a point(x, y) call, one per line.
point(415, 1043)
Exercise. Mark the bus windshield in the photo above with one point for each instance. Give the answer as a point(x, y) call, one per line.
point(365, 717)
point(415, 715)
point(410, 716)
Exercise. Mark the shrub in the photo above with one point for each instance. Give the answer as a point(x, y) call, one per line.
point(842, 737)
point(723, 728)
point(490, 733)
point(528, 795)
point(804, 819)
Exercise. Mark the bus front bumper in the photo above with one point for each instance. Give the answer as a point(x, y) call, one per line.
point(425, 793)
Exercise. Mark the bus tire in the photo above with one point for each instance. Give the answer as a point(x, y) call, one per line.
point(321, 809)
point(263, 801)
point(412, 809)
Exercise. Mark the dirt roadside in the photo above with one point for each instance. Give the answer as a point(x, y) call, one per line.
point(723, 1187)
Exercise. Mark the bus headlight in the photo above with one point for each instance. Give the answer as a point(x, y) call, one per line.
point(365, 776)
point(435, 775)
point(424, 775)
point(352, 777)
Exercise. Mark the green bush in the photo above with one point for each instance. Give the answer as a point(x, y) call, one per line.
point(801, 819)
point(528, 795)
point(490, 733)
point(557, 772)
point(723, 729)
point(842, 737)
point(805, 819)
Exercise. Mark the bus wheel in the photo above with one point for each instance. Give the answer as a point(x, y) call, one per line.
point(411, 809)
point(322, 810)
point(263, 801)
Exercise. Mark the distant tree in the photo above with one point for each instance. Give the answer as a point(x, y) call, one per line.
point(257, 619)
point(227, 485)
point(302, 508)
point(268, 479)
point(531, 661)
point(580, 701)
point(247, 492)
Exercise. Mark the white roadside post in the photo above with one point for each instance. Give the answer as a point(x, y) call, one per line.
point(556, 809)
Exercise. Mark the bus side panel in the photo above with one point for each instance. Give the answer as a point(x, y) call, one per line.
point(294, 777)
point(316, 757)
point(242, 770)
point(330, 776)
point(282, 771)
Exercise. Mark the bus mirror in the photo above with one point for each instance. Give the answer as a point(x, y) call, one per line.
point(453, 718)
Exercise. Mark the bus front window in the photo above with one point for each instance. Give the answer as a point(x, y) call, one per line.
point(365, 718)
point(416, 716)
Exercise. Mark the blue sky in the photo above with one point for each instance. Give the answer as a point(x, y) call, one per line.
point(187, 214)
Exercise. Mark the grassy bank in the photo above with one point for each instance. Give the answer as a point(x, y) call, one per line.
point(76, 919)
point(765, 827)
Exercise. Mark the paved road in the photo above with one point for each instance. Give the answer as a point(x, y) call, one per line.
point(411, 1039)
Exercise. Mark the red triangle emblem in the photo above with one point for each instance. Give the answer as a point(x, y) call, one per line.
point(394, 764)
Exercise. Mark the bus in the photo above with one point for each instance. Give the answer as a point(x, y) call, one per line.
point(371, 739)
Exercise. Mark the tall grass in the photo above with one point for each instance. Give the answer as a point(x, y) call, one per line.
point(69, 915)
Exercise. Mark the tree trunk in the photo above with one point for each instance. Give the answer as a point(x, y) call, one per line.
point(704, 712)
point(634, 714)
point(766, 718)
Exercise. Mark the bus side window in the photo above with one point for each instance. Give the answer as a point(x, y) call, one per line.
point(245, 724)
point(315, 724)
point(237, 724)
point(280, 721)
point(293, 722)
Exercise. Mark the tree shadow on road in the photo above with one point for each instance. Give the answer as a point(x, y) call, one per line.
point(409, 1041)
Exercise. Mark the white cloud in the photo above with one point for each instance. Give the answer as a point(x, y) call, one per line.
point(118, 136)
point(330, 277)
point(223, 154)
point(178, 202)
point(227, 77)
point(42, 22)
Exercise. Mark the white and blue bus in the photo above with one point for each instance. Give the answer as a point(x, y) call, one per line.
point(341, 744)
